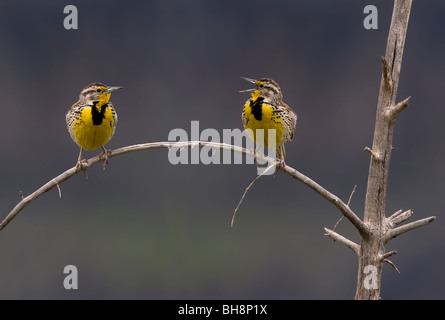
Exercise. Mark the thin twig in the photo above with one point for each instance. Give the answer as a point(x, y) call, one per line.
point(349, 202)
point(398, 217)
point(60, 191)
point(352, 193)
point(395, 214)
point(388, 254)
point(392, 264)
point(335, 225)
point(247, 189)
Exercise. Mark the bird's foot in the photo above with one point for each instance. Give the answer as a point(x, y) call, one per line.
point(82, 164)
point(280, 164)
point(105, 154)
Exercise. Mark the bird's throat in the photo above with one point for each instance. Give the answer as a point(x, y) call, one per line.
point(98, 112)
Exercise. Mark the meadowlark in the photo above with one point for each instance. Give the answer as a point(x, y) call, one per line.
point(92, 120)
point(266, 110)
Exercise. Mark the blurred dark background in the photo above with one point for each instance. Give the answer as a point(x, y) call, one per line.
point(145, 229)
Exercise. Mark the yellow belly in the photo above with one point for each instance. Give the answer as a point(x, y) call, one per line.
point(91, 136)
point(268, 121)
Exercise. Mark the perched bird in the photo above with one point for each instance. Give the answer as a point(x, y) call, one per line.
point(266, 110)
point(92, 120)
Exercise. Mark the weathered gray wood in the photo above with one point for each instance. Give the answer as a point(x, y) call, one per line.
point(372, 246)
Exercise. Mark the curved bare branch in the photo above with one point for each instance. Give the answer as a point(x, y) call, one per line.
point(55, 182)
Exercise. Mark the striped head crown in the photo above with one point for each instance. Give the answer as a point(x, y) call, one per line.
point(94, 92)
point(266, 88)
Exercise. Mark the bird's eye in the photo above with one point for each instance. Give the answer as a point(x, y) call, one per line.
point(98, 90)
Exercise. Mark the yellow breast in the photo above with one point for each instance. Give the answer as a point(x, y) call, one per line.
point(264, 118)
point(90, 135)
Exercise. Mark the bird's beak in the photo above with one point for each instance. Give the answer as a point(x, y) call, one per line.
point(111, 89)
point(250, 80)
point(247, 90)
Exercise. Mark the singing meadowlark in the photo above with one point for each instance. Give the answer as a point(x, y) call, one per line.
point(266, 110)
point(92, 120)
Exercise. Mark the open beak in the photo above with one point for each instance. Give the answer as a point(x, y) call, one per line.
point(250, 80)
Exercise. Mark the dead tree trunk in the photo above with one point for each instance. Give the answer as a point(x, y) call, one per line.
point(372, 249)
point(376, 230)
